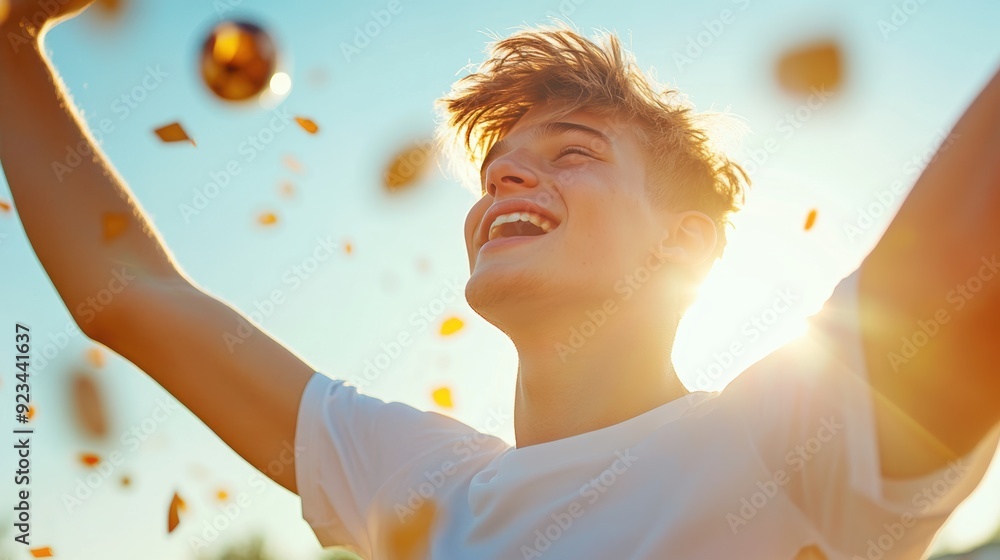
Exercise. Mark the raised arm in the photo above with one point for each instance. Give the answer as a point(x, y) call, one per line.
point(930, 303)
point(157, 318)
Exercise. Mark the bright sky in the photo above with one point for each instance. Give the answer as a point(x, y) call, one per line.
point(903, 91)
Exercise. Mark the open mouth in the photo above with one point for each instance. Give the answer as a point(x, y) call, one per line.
point(520, 224)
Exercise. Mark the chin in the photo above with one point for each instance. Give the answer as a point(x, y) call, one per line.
point(503, 296)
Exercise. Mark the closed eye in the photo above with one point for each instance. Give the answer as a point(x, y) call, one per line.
point(574, 150)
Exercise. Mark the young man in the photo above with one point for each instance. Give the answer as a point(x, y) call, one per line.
point(851, 442)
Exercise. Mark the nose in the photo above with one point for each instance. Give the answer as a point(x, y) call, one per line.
point(508, 173)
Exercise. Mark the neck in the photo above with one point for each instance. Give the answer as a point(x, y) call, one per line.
point(569, 386)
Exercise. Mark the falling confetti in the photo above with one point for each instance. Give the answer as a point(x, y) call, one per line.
point(4, 205)
point(221, 495)
point(293, 164)
point(126, 481)
point(348, 248)
point(442, 397)
point(90, 459)
point(811, 219)
point(114, 225)
point(88, 406)
point(267, 219)
point(95, 357)
point(815, 66)
point(451, 326)
point(31, 411)
point(287, 189)
point(237, 60)
point(173, 132)
point(173, 513)
point(408, 165)
point(43, 552)
point(307, 124)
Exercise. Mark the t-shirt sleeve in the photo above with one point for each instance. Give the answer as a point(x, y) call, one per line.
point(348, 445)
point(809, 412)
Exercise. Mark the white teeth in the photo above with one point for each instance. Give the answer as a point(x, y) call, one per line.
point(536, 219)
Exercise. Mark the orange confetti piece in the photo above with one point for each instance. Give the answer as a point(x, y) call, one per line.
point(126, 481)
point(4, 205)
point(114, 225)
point(293, 164)
point(173, 132)
point(221, 495)
point(442, 397)
point(31, 411)
point(408, 165)
point(451, 326)
point(95, 356)
point(287, 189)
point(308, 125)
point(43, 552)
point(88, 406)
point(238, 60)
point(816, 66)
point(173, 515)
point(90, 459)
point(267, 219)
point(811, 219)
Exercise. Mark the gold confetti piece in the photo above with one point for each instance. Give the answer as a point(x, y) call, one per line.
point(238, 60)
point(267, 219)
point(816, 66)
point(173, 513)
point(221, 495)
point(90, 459)
point(287, 189)
point(43, 552)
point(173, 132)
point(126, 481)
point(95, 356)
point(4, 205)
point(811, 219)
point(31, 411)
point(451, 326)
point(88, 406)
point(114, 225)
point(408, 165)
point(293, 164)
point(348, 248)
point(442, 397)
point(423, 265)
point(307, 124)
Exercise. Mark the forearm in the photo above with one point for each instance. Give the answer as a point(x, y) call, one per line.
point(63, 209)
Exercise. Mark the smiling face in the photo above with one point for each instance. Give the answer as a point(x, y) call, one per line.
point(565, 216)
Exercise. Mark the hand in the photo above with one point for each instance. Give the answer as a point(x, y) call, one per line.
point(39, 14)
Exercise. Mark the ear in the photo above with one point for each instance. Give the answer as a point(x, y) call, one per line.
point(691, 237)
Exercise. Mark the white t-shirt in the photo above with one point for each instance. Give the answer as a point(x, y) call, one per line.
point(780, 465)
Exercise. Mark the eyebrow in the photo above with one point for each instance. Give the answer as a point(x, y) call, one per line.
point(501, 147)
